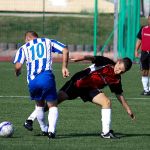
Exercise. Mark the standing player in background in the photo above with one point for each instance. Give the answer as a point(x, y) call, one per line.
point(88, 84)
point(143, 43)
point(37, 52)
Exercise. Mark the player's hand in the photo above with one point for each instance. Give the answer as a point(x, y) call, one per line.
point(130, 113)
point(136, 54)
point(132, 116)
point(18, 73)
point(65, 72)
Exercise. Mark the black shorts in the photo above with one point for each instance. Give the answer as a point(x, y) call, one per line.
point(73, 92)
point(145, 60)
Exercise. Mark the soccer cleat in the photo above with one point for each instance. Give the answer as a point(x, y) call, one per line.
point(145, 93)
point(44, 133)
point(109, 135)
point(51, 135)
point(28, 125)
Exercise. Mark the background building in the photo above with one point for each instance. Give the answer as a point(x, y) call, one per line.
point(65, 6)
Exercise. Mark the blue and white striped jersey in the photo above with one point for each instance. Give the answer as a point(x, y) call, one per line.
point(38, 55)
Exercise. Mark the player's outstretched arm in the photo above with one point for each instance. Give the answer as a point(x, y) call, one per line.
point(18, 67)
point(126, 106)
point(65, 71)
point(81, 58)
point(137, 47)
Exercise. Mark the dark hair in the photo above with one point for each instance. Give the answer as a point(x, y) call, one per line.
point(127, 63)
point(32, 33)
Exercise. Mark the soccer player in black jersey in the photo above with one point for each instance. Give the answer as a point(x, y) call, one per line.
point(88, 84)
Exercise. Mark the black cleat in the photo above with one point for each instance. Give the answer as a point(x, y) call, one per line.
point(145, 93)
point(28, 125)
point(51, 135)
point(109, 135)
point(44, 133)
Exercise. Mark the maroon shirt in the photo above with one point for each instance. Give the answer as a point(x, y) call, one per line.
point(99, 78)
point(99, 75)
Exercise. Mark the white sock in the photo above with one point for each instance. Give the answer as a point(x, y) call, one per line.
point(33, 115)
point(52, 118)
point(145, 81)
point(41, 118)
point(106, 120)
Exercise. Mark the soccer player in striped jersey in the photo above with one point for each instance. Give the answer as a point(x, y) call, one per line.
point(88, 84)
point(37, 53)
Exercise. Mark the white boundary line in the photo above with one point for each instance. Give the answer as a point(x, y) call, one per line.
point(1, 96)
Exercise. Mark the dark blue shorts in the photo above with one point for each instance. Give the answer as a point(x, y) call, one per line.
point(43, 87)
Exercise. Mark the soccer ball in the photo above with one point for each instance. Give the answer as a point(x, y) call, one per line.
point(6, 129)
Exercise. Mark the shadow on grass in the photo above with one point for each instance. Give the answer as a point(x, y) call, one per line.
point(124, 135)
point(118, 135)
point(72, 135)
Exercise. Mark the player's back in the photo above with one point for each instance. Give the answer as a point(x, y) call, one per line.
point(38, 56)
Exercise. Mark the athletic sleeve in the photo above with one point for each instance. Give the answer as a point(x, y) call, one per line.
point(20, 56)
point(116, 88)
point(57, 47)
point(139, 35)
point(101, 60)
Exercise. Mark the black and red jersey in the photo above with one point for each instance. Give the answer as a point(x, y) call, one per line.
point(99, 75)
point(144, 36)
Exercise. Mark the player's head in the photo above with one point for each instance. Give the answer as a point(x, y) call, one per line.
point(123, 65)
point(30, 35)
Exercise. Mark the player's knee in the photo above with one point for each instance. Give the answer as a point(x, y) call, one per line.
point(145, 72)
point(106, 104)
point(40, 103)
point(52, 104)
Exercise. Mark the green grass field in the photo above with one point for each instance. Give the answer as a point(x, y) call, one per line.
point(79, 123)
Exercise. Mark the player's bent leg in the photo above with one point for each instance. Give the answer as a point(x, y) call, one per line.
point(41, 115)
point(52, 118)
point(29, 122)
point(103, 100)
point(61, 96)
point(32, 116)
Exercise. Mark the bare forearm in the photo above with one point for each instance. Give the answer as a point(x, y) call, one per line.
point(125, 105)
point(81, 58)
point(89, 57)
point(65, 58)
point(18, 67)
point(138, 44)
point(65, 71)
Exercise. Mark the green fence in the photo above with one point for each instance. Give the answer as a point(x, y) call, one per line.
point(74, 27)
point(79, 28)
point(128, 26)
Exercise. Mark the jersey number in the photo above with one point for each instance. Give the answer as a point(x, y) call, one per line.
point(37, 51)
